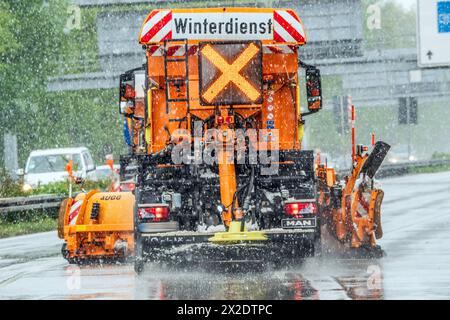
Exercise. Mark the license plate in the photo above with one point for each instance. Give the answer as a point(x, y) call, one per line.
point(302, 223)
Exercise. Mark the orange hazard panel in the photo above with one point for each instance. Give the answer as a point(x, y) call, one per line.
point(230, 73)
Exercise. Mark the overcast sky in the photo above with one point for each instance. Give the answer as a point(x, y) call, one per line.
point(407, 4)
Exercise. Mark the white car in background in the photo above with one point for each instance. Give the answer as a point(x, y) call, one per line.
point(47, 166)
point(104, 172)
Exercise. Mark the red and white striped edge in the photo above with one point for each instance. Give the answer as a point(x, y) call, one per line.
point(156, 27)
point(284, 49)
point(287, 27)
point(178, 50)
point(172, 51)
point(74, 210)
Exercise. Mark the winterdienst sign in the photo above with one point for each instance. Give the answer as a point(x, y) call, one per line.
point(267, 25)
point(208, 27)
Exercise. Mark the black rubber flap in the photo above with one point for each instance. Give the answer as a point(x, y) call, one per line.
point(375, 159)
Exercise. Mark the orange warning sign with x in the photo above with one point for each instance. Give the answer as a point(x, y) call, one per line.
point(231, 73)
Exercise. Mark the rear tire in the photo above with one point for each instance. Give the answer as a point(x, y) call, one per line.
point(62, 215)
point(64, 251)
point(317, 248)
point(66, 255)
point(139, 255)
point(138, 266)
point(138, 250)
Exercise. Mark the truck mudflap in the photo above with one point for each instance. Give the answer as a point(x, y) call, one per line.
point(196, 247)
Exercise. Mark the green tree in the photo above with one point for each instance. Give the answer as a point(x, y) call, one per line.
point(397, 26)
point(33, 38)
point(8, 44)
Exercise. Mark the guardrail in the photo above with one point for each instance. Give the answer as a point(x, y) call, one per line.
point(53, 201)
point(30, 203)
point(403, 168)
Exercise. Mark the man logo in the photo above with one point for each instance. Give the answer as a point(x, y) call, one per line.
point(299, 223)
point(304, 223)
point(230, 73)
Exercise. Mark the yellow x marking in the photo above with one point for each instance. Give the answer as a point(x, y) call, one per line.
point(230, 72)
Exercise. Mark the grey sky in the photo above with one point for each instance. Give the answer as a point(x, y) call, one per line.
point(407, 4)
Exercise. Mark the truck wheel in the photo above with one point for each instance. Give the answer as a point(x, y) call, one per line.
point(65, 254)
point(64, 251)
point(138, 261)
point(309, 249)
point(138, 266)
point(317, 248)
point(61, 215)
point(139, 256)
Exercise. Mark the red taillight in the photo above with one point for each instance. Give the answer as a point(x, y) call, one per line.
point(155, 213)
point(127, 186)
point(296, 209)
point(219, 120)
point(161, 213)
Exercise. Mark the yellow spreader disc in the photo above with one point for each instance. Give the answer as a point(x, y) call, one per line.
point(235, 235)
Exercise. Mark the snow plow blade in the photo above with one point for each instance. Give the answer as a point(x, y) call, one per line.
point(197, 248)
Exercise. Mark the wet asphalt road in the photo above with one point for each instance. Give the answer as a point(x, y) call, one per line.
point(416, 221)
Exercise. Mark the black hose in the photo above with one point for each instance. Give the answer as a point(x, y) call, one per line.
point(247, 198)
point(251, 183)
point(235, 196)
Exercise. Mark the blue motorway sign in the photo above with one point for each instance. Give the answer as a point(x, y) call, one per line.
point(443, 16)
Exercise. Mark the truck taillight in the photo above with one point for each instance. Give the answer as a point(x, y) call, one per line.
point(154, 213)
point(219, 120)
point(297, 209)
